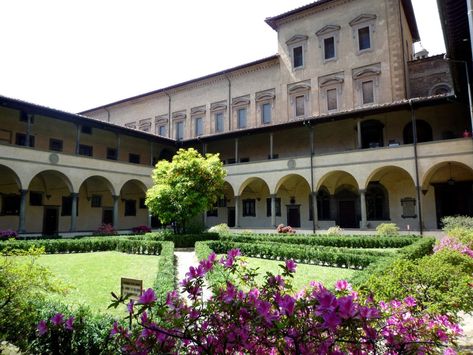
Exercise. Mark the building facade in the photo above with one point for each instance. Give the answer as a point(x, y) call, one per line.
point(341, 127)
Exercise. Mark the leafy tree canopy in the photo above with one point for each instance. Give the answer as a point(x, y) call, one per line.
point(188, 185)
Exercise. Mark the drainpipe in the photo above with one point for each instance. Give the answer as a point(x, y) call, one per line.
point(314, 196)
point(414, 140)
point(230, 109)
point(108, 114)
point(169, 114)
point(469, 5)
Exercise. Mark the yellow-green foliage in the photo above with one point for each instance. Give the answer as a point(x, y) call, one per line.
point(464, 235)
point(387, 229)
point(336, 230)
point(220, 229)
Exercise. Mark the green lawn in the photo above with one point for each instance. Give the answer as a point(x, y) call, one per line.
point(304, 272)
point(94, 275)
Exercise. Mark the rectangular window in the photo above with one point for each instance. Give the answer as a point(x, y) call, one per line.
point(329, 48)
point(24, 117)
point(20, 139)
point(242, 118)
point(199, 126)
point(408, 207)
point(278, 207)
point(162, 131)
point(266, 113)
point(66, 207)
point(249, 208)
point(11, 205)
point(332, 99)
point(86, 129)
point(213, 212)
point(297, 54)
point(179, 130)
point(36, 198)
point(364, 41)
point(112, 154)
point(142, 203)
point(85, 150)
point(367, 92)
point(96, 201)
point(219, 122)
point(300, 108)
point(134, 158)
point(130, 207)
point(55, 144)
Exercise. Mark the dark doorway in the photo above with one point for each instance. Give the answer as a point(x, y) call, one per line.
point(454, 198)
point(294, 216)
point(155, 222)
point(50, 220)
point(347, 214)
point(231, 217)
point(372, 134)
point(424, 132)
point(107, 216)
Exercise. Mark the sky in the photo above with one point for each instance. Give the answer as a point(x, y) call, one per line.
point(75, 55)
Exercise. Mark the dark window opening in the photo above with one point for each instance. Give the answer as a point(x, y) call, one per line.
point(142, 203)
point(20, 139)
point(86, 150)
point(377, 205)
point(424, 132)
point(329, 48)
point(278, 207)
point(86, 129)
point(36, 198)
point(364, 41)
point(11, 205)
point(372, 134)
point(249, 208)
point(134, 158)
point(266, 113)
point(96, 201)
point(130, 207)
point(112, 154)
point(298, 57)
point(55, 144)
point(367, 90)
point(408, 207)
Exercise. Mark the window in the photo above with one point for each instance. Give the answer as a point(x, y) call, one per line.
point(367, 91)
point(130, 207)
point(142, 203)
point(219, 122)
point(278, 207)
point(329, 48)
point(36, 198)
point(332, 99)
point(179, 130)
point(86, 129)
point(66, 207)
point(297, 55)
point(372, 135)
point(11, 205)
point(162, 130)
point(85, 150)
point(249, 208)
point(266, 113)
point(377, 206)
point(364, 41)
point(423, 130)
point(55, 144)
point(300, 106)
point(112, 154)
point(408, 207)
point(24, 117)
point(134, 158)
point(96, 201)
point(20, 139)
point(199, 126)
point(242, 118)
point(363, 28)
point(323, 205)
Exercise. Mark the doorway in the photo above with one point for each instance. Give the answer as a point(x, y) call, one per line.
point(50, 220)
point(347, 214)
point(107, 216)
point(294, 215)
point(231, 217)
point(453, 199)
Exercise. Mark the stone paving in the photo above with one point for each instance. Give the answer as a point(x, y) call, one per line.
point(185, 259)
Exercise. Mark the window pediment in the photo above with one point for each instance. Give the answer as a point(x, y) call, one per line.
point(372, 70)
point(241, 101)
point(265, 95)
point(296, 39)
point(327, 29)
point(332, 80)
point(299, 87)
point(180, 115)
point(362, 19)
point(201, 110)
point(161, 119)
point(218, 106)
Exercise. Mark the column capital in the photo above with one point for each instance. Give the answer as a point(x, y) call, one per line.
point(273, 195)
point(362, 191)
point(23, 191)
point(74, 194)
point(314, 193)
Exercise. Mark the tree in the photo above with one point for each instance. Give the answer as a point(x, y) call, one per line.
point(188, 185)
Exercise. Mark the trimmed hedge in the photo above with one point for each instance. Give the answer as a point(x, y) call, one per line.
point(182, 240)
point(166, 278)
point(332, 241)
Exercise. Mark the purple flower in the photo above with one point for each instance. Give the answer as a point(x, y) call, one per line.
point(410, 301)
point(342, 285)
point(42, 328)
point(346, 308)
point(331, 320)
point(286, 304)
point(147, 297)
point(57, 319)
point(129, 306)
point(233, 253)
point(70, 323)
point(291, 265)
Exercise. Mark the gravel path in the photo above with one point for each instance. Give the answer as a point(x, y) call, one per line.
point(185, 259)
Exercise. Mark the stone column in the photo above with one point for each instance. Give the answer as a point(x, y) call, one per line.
point(271, 152)
point(21, 219)
point(358, 131)
point(364, 221)
point(273, 210)
point(236, 150)
point(74, 200)
point(315, 213)
point(116, 198)
point(237, 211)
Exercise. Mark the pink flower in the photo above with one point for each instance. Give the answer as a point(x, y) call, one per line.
point(147, 297)
point(57, 319)
point(70, 323)
point(410, 301)
point(291, 265)
point(342, 285)
point(42, 328)
point(449, 351)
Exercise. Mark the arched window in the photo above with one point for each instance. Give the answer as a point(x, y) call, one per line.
point(424, 132)
point(372, 134)
point(165, 155)
point(377, 203)
point(323, 204)
point(440, 89)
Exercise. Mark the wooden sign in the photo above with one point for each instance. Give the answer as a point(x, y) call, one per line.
point(131, 287)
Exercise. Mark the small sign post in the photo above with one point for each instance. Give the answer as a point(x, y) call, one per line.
point(131, 287)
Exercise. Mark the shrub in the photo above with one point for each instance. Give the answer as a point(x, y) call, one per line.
point(387, 229)
point(336, 230)
point(451, 222)
point(464, 235)
point(141, 229)
point(220, 229)
point(106, 229)
point(8, 234)
point(285, 229)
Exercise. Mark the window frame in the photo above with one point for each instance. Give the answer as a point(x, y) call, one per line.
point(360, 22)
point(277, 205)
point(83, 147)
point(249, 207)
point(134, 158)
point(36, 198)
point(21, 137)
point(198, 128)
point(177, 124)
point(128, 210)
point(14, 210)
point(242, 115)
point(96, 201)
point(362, 75)
point(111, 156)
point(296, 42)
point(295, 91)
point(219, 116)
point(59, 142)
point(326, 32)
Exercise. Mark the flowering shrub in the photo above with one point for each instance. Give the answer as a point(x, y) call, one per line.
point(141, 230)
point(387, 229)
point(106, 229)
point(240, 317)
point(285, 229)
point(453, 244)
point(7, 234)
point(221, 228)
point(336, 230)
